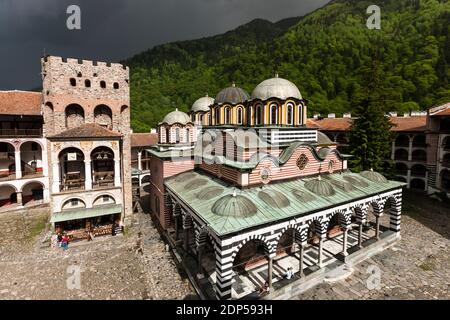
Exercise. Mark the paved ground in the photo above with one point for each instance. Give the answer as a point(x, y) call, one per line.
point(109, 268)
point(112, 268)
point(416, 268)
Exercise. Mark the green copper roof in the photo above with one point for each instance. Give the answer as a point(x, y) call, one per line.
point(83, 213)
point(373, 176)
point(296, 199)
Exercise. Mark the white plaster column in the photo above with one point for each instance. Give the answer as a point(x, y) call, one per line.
point(360, 234)
point(320, 258)
point(19, 198)
point(44, 162)
point(408, 177)
point(87, 175)
point(18, 164)
point(344, 242)
point(46, 192)
point(140, 160)
point(117, 172)
point(301, 259)
point(56, 177)
point(377, 227)
point(410, 148)
point(270, 271)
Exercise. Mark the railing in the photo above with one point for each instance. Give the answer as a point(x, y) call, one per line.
point(103, 184)
point(6, 155)
point(20, 132)
point(7, 177)
point(71, 186)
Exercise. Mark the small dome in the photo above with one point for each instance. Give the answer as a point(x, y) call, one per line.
point(209, 192)
point(373, 176)
point(276, 88)
point(176, 117)
point(274, 198)
point(356, 181)
point(233, 205)
point(202, 104)
point(303, 196)
point(320, 187)
point(232, 95)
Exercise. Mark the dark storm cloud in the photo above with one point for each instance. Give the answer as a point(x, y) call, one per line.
point(116, 29)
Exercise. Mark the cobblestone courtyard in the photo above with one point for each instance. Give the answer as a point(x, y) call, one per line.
point(415, 268)
point(111, 268)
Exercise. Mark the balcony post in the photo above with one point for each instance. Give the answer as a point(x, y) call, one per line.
point(18, 164)
point(140, 160)
point(117, 172)
point(56, 177)
point(87, 175)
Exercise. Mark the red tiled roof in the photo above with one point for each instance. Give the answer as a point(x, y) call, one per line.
point(330, 124)
point(415, 123)
point(143, 139)
point(88, 130)
point(20, 103)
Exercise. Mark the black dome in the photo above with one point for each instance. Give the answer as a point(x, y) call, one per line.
point(233, 95)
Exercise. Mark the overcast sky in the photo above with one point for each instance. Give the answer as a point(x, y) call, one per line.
point(112, 30)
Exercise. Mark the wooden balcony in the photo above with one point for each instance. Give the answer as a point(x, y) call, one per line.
point(20, 132)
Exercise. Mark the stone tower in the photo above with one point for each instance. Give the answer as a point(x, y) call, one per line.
point(86, 105)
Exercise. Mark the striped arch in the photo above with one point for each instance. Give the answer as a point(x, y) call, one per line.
point(361, 213)
point(283, 231)
point(187, 220)
point(318, 224)
point(344, 216)
point(377, 208)
point(395, 212)
point(268, 248)
point(303, 235)
point(201, 235)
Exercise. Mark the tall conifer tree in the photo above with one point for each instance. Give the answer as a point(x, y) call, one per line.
point(370, 135)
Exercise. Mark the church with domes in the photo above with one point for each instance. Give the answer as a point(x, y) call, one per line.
point(243, 190)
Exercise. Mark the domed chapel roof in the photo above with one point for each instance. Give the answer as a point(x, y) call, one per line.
point(276, 88)
point(202, 104)
point(176, 117)
point(232, 95)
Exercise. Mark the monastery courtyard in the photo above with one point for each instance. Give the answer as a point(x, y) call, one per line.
point(113, 268)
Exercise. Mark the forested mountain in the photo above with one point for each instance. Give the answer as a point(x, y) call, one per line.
point(324, 53)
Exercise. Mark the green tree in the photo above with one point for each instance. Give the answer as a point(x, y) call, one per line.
point(370, 135)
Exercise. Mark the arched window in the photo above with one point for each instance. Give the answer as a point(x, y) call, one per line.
point(102, 84)
point(116, 85)
point(167, 135)
point(227, 116)
point(239, 116)
point(273, 114)
point(217, 115)
point(74, 116)
point(87, 83)
point(258, 115)
point(290, 115)
point(188, 135)
point(177, 135)
point(103, 116)
point(300, 115)
point(73, 82)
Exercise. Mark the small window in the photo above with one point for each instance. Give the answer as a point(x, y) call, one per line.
point(105, 198)
point(74, 202)
point(103, 84)
point(116, 85)
point(79, 74)
point(87, 83)
point(95, 75)
point(73, 82)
